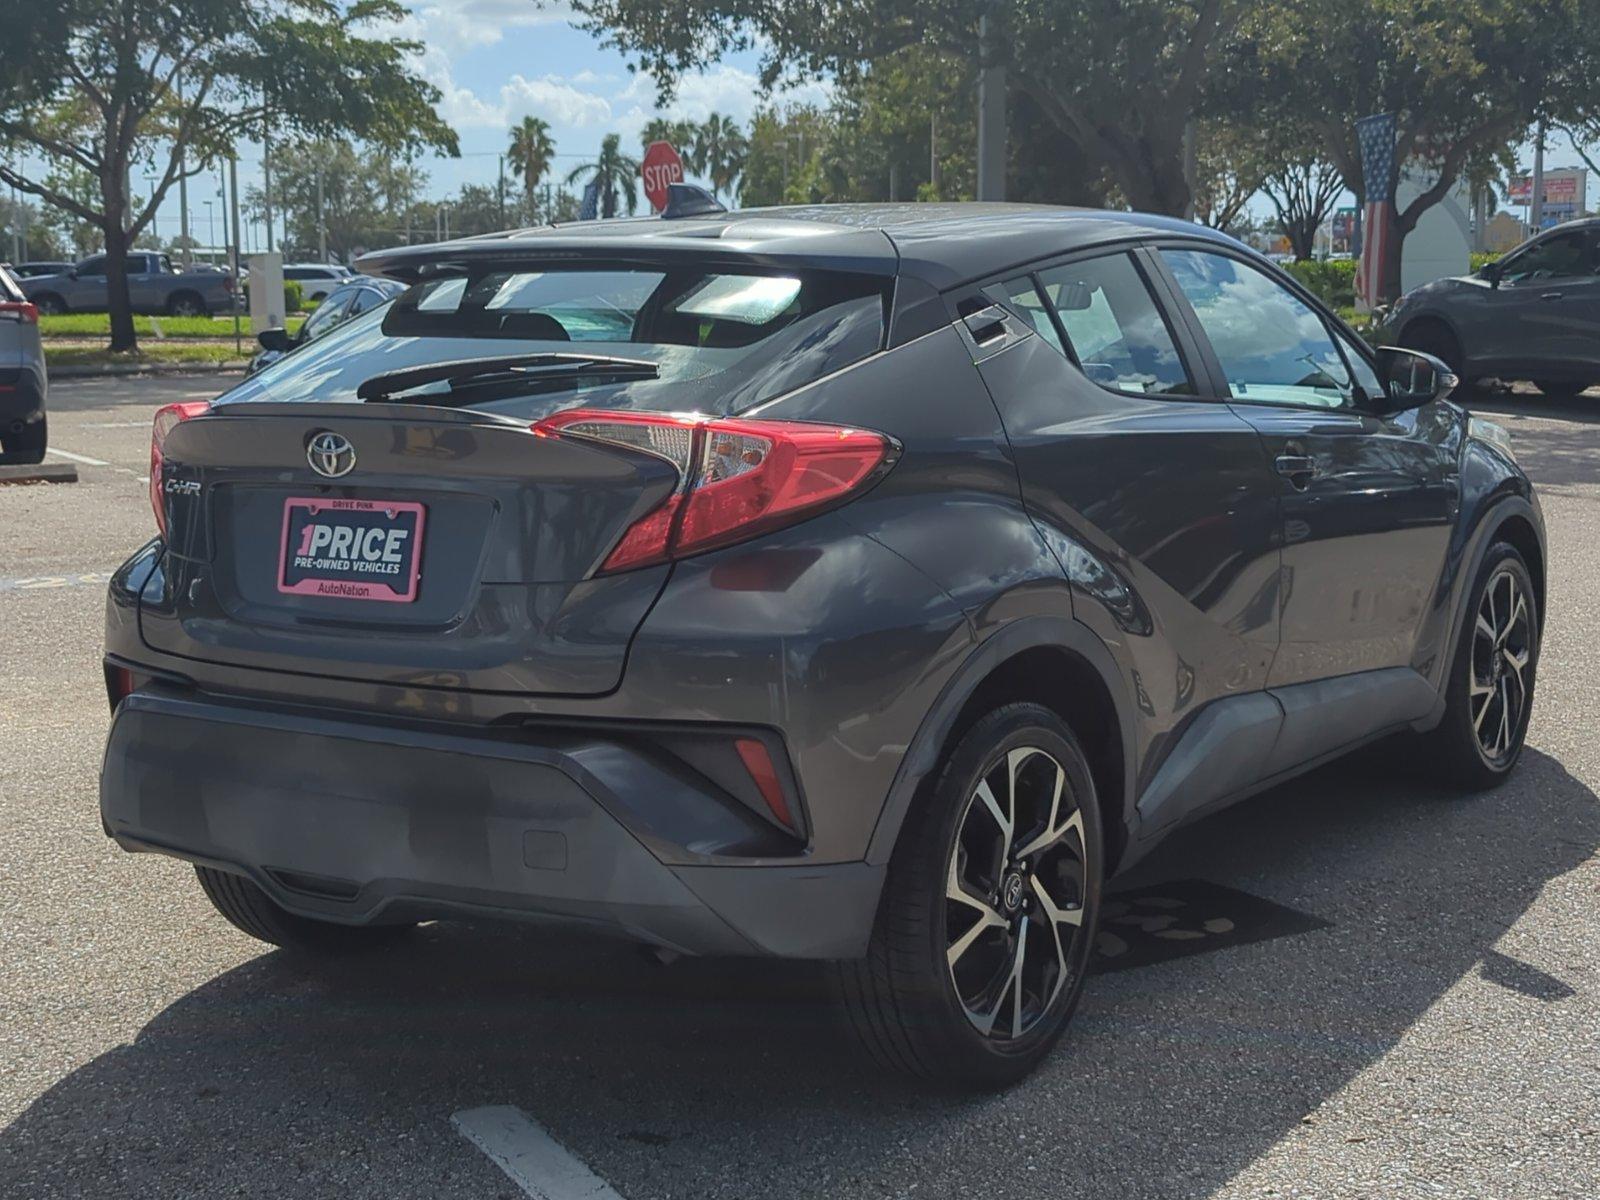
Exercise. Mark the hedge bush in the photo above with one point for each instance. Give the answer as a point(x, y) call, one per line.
point(294, 297)
point(1333, 282)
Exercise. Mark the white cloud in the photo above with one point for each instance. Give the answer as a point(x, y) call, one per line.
point(557, 100)
point(456, 25)
point(723, 89)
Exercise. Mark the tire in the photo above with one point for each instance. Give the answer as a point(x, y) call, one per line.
point(49, 304)
point(250, 910)
point(1471, 749)
point(186, 304)
point(915, 1011)
point(1560, 389)
point(27, 447)
point(1434, 337)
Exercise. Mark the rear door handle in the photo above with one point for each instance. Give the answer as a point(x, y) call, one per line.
point(1549, 295)
point(1298, 469)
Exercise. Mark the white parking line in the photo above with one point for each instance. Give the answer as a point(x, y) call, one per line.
point(77, 458)
point(534, 1160)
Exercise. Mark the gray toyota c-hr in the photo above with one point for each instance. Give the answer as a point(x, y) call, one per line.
point(865, 584)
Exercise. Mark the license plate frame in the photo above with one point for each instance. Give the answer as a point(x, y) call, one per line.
point(380, 577)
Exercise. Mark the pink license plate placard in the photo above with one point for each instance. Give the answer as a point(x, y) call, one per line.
point(351, 549)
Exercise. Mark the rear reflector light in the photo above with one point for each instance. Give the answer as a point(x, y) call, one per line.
point(18, 310)
point(166, 418)
point(737, 478)
point(758, 762)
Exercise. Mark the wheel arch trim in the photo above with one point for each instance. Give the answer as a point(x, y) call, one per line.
point(1491, 521)
point(922, 757)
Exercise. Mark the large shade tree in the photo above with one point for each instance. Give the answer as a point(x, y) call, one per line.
point(1124, 78)
point(99, 85)
point(1462, 77)
point(353, 197)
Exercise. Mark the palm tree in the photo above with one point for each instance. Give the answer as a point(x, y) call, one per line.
point(615, 172)
point(677, 134)
point(530, 153)
point(720, 150)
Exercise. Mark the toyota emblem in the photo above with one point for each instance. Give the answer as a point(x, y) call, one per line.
point(331, 454)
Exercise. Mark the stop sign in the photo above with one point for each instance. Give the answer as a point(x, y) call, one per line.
point(661, 166)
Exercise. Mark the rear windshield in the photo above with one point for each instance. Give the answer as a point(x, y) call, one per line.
point(721, 340)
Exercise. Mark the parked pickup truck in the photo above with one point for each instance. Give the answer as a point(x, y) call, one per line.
point(154, 285)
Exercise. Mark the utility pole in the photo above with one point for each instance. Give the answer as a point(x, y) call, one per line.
point(266, 173)
point(502, 191)
point(991, 114)
point(233, 176)
point(186, 254)
point(1191, 168)
point(933, 153)
point(322, 227)
point(1536, 201)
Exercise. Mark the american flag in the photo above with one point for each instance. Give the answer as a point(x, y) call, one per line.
point(589, 208)
point(1376, 135)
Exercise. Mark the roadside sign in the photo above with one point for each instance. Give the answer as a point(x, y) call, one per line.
point(661, 165)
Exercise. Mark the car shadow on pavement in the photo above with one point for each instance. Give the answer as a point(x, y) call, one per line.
point(735, 1078)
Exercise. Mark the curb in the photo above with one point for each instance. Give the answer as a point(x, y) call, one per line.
point(100, 370)
point(38, 473)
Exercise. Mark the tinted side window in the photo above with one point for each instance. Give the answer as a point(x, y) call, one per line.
point(1561, 256)
point(328, 314)
point(1274, 349)
point(93, 266)
point(1117, 332)
point(1021, 295)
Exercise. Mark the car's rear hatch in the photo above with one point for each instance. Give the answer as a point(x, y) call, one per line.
point(468, 559)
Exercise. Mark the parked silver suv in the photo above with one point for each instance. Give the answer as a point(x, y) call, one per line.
point(23, 381)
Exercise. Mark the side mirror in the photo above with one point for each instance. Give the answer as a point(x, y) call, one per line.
point(1413, 378)
point(1490, 273)
point(275, 339)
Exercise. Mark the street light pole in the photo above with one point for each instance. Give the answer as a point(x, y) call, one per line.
point(322, 228)
point(1536, 201)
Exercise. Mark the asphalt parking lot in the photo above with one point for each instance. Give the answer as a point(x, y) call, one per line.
point(1409, 1005)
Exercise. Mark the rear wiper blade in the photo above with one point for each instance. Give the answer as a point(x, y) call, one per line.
point(536, 366)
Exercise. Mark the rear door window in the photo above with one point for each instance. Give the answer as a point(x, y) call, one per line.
point(1117, 332)
point(1024, 297)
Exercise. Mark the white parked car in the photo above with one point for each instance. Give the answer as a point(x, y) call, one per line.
point(316, 280)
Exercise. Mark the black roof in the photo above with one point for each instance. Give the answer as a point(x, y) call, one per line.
point(944, 244)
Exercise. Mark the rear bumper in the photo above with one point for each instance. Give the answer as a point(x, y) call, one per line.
point(370, 822)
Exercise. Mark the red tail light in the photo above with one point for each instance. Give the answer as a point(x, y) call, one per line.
point(738, 478)
point(20, 310)
point(167, 417)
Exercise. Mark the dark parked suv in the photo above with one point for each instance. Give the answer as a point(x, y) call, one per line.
point(1534, 314)
point(864, 583)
